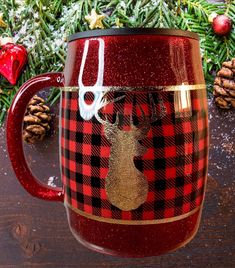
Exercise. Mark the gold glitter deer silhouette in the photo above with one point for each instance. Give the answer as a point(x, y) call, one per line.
point(126, 187)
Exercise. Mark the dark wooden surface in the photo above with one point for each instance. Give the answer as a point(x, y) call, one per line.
point(35, 233)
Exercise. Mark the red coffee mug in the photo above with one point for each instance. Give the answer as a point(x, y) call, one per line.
point(133, 139)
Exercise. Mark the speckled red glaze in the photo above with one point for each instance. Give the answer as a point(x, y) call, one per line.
point(135, 60)
point(140, 60)
point(14, 135)
point(134, 241)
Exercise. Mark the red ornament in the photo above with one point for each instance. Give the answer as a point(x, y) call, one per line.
point(12, 60)
point(222, 25)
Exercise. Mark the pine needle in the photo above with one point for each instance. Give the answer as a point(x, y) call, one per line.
point(42, 27)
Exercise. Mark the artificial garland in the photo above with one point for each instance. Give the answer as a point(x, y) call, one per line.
point(42, 27)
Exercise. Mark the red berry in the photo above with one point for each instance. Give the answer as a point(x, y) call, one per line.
point(222, 25)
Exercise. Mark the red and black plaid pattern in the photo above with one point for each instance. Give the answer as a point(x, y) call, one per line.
point(175, 162)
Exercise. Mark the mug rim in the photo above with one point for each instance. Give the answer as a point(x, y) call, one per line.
point(132, 31)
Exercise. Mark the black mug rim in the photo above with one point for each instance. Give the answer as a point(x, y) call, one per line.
point(132, 31)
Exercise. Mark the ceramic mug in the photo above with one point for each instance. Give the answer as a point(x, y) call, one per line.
point(133, 139)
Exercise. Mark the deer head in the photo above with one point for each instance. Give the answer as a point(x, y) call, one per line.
point(126, 187)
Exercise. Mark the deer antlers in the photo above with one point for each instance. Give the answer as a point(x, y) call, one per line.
point(104, 103)
point(143, 127)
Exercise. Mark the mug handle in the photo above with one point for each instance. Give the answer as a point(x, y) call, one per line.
point(14, 136)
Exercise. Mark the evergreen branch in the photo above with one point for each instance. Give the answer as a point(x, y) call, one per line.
point(183, 22)
point(229, 7)
point(42, 27)
point(202, 9)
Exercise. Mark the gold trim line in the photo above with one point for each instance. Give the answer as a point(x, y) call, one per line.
point(135, 89)
point(131, 222)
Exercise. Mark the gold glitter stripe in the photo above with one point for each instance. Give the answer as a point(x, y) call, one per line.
point(144, 89)
point(131, 222)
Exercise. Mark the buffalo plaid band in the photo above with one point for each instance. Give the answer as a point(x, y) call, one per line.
point(174, 160)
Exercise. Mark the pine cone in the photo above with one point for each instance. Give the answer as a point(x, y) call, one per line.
point(224, 86)
point(36, 120)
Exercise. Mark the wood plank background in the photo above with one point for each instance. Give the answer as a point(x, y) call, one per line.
point(35, 233)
